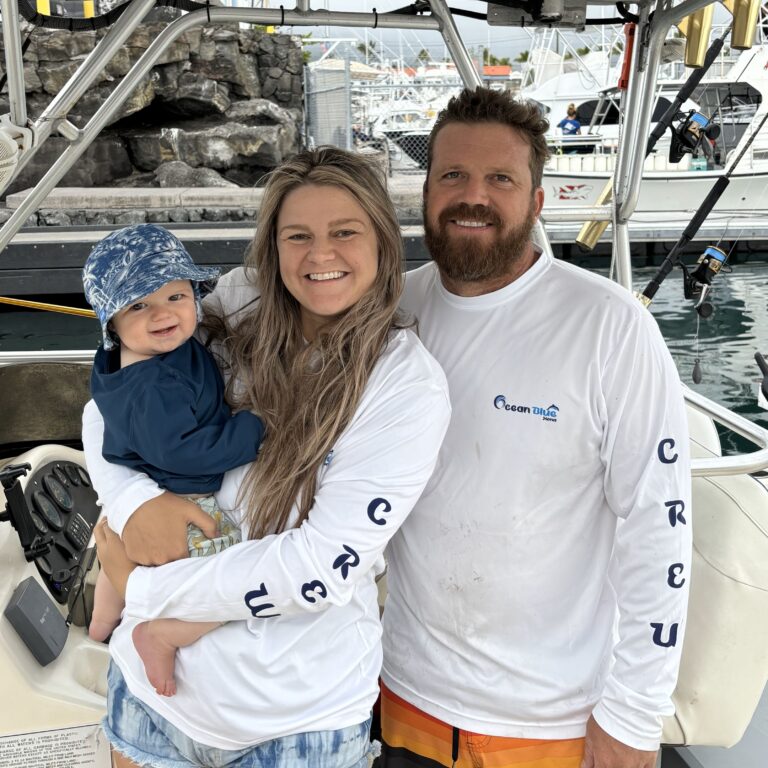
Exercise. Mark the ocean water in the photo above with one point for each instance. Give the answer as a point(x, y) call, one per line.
point(725, 345)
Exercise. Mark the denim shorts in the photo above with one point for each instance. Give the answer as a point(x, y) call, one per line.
point(148, 739)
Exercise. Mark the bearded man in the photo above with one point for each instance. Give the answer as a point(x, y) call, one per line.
point(538, 591)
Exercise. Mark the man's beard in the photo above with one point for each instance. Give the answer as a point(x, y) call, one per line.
point(466, 259)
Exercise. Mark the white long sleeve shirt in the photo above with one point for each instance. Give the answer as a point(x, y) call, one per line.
point(302, 649)
point(560, 505)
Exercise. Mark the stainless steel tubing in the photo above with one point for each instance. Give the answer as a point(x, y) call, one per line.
point(729, 465)
point(456, 48)
point(85, 75)
point(14, 66)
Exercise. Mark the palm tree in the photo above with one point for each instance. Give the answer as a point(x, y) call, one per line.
point(489, 58)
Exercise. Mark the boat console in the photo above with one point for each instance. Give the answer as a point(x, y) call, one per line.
point(48, 558)
point(53, 509)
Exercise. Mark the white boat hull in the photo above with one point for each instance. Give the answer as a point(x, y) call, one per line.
point(680, 192)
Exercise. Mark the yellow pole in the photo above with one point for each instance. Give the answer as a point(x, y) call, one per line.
point(48, 307)
point(592, 231)
point(696, 28)
point(745, 14)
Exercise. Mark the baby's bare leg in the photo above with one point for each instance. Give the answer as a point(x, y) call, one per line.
point(157, 641)
point(107, 607)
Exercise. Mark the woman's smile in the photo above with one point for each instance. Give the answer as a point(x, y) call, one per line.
point(324, 276)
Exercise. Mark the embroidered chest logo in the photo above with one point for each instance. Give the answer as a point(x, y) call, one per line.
point(550, 413)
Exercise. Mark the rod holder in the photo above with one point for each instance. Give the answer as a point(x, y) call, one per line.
point(696, 29)
point(745, 13)
point(592, 231)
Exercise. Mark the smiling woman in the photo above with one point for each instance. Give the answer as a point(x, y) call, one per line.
point(355, 411)
point(328, 252)
point(328, 259)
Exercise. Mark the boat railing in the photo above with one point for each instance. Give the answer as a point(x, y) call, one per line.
point(582, 142)
point(84, 356)
point(604, 162)
point(745, 463)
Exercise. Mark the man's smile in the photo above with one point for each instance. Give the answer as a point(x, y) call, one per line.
point(471, 224)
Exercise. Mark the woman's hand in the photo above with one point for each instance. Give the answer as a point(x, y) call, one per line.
point(113, 558)
point(156, 532)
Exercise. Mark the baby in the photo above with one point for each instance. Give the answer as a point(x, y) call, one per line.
point(162, 399)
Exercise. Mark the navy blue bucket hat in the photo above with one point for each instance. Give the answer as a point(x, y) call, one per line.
point(132, 263)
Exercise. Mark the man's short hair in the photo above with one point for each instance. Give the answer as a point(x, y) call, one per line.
point(484, 105)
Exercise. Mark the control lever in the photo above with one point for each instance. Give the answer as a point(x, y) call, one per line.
point(9, 474)
point(17, 512)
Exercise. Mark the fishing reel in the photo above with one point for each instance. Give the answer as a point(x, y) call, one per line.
point(697, 283)
point(688, 134)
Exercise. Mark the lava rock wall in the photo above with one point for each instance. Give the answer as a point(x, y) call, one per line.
point(221, 107)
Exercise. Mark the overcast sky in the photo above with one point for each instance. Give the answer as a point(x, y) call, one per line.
point(503, 41)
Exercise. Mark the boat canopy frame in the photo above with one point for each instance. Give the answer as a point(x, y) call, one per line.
point(654, 22)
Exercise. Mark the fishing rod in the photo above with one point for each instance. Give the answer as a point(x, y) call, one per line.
point(47, 307)
point(683, 137)
point(685, 92)
point(710, 263)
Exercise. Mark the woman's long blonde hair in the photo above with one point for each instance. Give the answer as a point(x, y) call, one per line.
point(307, 393)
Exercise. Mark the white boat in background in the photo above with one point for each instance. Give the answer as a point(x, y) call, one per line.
point(54, 680)
point(578, 179)
point(558, 73)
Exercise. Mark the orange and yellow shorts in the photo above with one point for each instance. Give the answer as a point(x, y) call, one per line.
point(413, 739)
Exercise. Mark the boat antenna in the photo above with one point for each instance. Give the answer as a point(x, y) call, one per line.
point(673, 257)
point(47, 307)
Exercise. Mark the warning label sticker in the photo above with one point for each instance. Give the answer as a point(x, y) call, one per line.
point(83, 747)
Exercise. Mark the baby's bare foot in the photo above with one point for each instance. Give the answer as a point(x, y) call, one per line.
point(158, 655)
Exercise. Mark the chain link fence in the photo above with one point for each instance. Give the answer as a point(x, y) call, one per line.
point(348, 105)
point(327, 111)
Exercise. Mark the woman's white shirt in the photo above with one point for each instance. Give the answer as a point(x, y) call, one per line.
point(286, 664)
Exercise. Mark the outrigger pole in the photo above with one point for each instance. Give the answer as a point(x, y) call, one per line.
point(673, 257)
